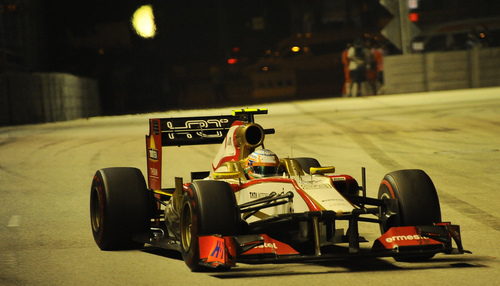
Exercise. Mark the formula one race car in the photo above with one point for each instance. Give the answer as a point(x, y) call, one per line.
point(255, 208)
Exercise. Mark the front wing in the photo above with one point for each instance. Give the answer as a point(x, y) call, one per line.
point(405, 241)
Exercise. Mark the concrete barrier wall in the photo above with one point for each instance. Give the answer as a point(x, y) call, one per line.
point(45, 97)
point(404, 74)
point(488, 65)
point(442, 70)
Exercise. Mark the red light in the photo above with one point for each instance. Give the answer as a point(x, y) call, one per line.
point(232, 61)
point(414, 17)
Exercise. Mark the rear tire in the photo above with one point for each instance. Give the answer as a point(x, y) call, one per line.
point(418, 202)
point(120, 207)
point(306, 163)
point(209, 207)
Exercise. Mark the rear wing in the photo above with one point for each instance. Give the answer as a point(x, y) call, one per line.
point(182, 131)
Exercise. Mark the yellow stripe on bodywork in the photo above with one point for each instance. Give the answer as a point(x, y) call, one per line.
point(317, 203)
point(160, 192)
point(225, 175)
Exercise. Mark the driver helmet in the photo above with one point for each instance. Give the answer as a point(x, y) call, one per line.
point(262, 163)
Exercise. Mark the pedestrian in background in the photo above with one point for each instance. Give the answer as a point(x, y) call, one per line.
point(378, 56)
point(358, 56)
point(375, 68)
point(346, 88)
point(473, 40)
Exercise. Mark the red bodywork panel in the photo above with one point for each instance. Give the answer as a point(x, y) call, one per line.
point(218, 250)
point(271, 246)
point(154, 154)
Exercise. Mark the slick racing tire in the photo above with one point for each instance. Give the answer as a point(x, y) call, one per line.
point(208, 207)
point(120, 208)
point(418, 202)
point(306, 163)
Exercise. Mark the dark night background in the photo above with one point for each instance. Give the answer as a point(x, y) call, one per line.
point(182, 64)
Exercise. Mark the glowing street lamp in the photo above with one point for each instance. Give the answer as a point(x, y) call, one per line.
point(295, 49)
point(143, 21)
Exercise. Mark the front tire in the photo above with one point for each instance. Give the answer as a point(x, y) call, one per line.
point(418, 202)
point(120, 208)
point(208, 207)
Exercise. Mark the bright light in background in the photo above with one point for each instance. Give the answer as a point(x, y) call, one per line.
point(143, 21)
point(414, 17)
point(232, 61)
point(295, 49)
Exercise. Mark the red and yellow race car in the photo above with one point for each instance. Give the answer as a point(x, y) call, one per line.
point(253, 207)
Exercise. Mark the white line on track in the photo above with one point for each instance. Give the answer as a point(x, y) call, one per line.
point(14, 221)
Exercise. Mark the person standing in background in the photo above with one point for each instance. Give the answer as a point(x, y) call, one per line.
point(378, 56)
point(358, 56)
point(347, 78)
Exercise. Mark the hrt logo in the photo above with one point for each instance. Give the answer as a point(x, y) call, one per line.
point(218, 251)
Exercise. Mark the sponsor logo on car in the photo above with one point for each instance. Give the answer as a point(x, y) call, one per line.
point(395, 238)
point(255, 195)
point(153, 172)
point(153, 154)
point(271, 245)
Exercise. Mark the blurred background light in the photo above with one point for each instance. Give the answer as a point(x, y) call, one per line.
point(143, 21)
point(232, 61)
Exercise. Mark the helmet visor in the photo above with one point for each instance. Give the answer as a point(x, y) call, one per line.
point(265, 170)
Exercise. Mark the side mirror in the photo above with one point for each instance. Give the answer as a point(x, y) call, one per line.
point(321, 170)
